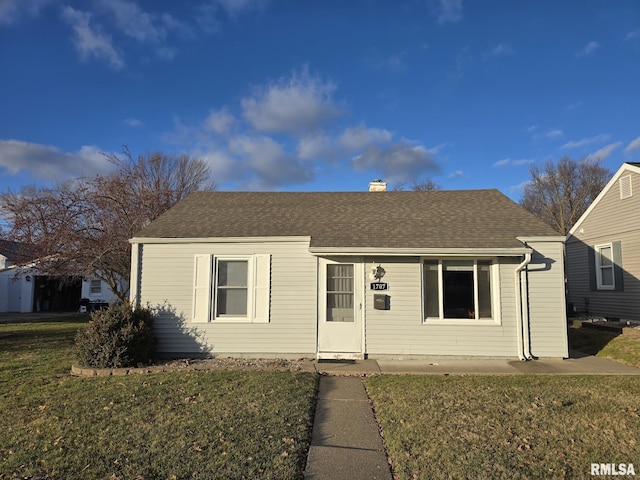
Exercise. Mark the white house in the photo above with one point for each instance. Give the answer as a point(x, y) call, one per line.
point(24, 290)
point(353, 275)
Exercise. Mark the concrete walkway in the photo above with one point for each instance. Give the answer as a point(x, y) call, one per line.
point(577, 364)
point(345, 441)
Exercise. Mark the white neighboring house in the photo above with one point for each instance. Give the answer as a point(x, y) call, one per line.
point(97, 291)
point(22, 290)
point(16, 291)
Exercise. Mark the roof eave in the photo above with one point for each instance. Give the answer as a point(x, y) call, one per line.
point(414, 252)
point(168, 240)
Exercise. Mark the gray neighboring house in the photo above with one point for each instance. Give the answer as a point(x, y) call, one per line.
point(603, 251)
point(352, 275)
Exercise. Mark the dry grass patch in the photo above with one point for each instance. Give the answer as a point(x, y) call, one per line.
point(508, 427)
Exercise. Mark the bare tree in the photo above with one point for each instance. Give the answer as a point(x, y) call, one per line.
point(418, 185)
point(81, 228)
point(558, 194)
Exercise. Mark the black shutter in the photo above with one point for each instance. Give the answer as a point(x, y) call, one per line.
point(592, 268)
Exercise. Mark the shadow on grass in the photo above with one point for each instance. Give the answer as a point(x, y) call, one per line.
point(587, 340)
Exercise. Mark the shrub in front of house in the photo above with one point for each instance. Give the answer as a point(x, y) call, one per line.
point(120, 336)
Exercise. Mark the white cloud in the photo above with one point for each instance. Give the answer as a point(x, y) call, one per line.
point(89, 40)
point(632, 35)
point(296, 103)
point(267, 164)
point(48, 162)
point(456, 174)
point(514, 163)
point(520, 162)
point(573, 106)
point(586, 141)
point(500, 50)
point(237, 7)
point(551, 134)
point(589, 49)
point(435, 150)
point(634, 145)
point(219, 121)
point(135, 22)
point(133, 122)
point(519, 188)
point(449, 11)
point(401, 161)
point(12, 10)
point(359, 138)
point(604, 152)
point(532, 128)
point(313, 147)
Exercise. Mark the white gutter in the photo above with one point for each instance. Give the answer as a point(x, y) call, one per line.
point(519, 308)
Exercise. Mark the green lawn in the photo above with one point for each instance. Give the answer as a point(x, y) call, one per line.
point(507, 427)
point(231, 424)
point(621, 348)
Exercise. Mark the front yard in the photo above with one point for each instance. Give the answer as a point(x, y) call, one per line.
point(507, 427)
point(257, 424)
point(232, 424)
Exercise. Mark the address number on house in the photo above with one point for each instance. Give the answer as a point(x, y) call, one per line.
point(379, 286)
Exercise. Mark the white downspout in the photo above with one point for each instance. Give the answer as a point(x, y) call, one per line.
point(519, 310)
point(525, 316)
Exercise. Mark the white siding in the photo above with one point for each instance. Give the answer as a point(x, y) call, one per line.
point(547, 307)
point(166, 278)
point(105, 295)
point(612, 219)
point(401, 331)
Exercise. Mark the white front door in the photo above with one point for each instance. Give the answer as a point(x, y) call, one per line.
point(340, 312)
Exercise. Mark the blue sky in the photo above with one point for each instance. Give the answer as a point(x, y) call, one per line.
point(302, 95)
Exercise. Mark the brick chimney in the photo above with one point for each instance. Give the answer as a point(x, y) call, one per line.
point(378, 186)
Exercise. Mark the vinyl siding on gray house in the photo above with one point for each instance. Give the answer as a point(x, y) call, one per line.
point(167, 272)
point(611, 219)
point(401, 331)
point(547, 315)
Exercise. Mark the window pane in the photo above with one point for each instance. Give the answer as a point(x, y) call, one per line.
point(458, 289)
point(340, 293)
point(605, 257)
point(484, 289)
point(431, 298)
point(232, 301)
point(96, 286)
point(607, 276)
point(232, 273)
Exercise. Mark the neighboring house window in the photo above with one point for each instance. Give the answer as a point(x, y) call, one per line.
point(604, 267)
point(458, 289)
point(625, 187)
point(232, 288)
point(96, 287)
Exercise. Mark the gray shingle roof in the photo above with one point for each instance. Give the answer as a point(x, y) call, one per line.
point(431, 219)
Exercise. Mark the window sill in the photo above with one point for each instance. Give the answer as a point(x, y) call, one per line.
point(232, 320)
point(461, 321)
point(606, 287)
